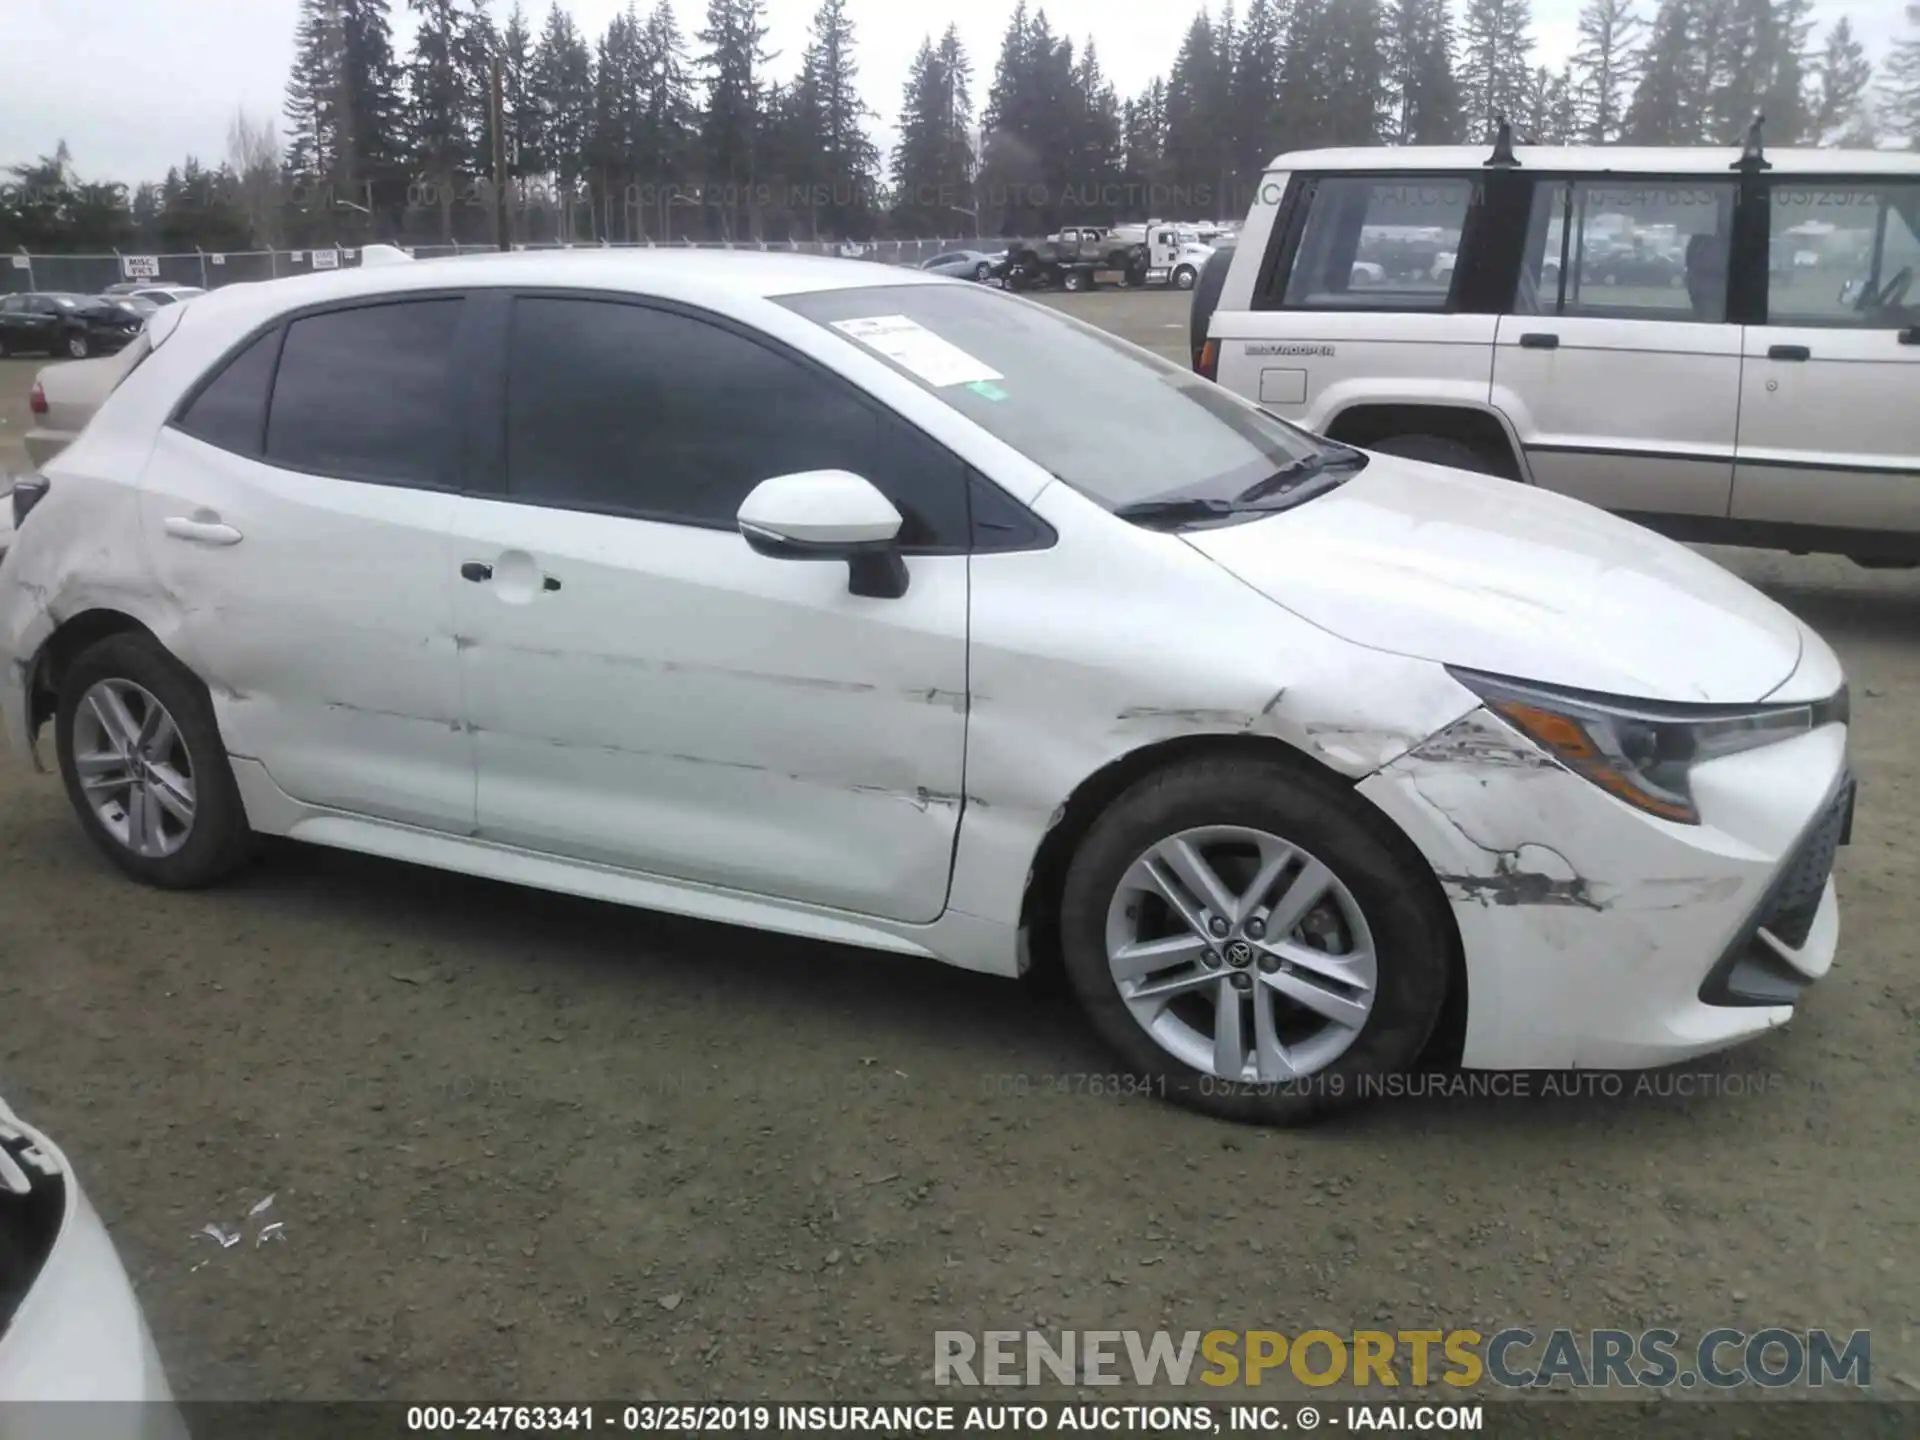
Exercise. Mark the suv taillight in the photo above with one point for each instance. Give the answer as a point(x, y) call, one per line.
point(1207, 363)
point(37, 399)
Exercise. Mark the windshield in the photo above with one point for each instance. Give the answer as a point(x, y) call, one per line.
point(1117, 423)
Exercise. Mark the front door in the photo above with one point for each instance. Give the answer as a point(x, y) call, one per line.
point(1616, 363)
point(307, 537)
point(1828, 433)
point(646, 691)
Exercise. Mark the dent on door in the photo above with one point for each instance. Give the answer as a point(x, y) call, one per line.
point(685, 707)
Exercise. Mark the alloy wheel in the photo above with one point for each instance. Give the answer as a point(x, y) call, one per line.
point(134, 768)
point(1241, 954)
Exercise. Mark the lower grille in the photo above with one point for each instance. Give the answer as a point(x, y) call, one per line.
point(1789, 918)
point(1752, 972)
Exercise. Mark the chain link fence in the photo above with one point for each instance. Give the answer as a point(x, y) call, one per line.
point(90, 274)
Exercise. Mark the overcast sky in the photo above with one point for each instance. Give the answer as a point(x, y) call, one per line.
point(134, 86)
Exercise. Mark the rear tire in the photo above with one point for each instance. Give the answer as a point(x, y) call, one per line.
point(1437, 450)
point(1074, 280)
point(78, 346)
point(172, 812)
point(1381, 923)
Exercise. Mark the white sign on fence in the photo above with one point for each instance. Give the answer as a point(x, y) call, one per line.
point(21, 262)
point(326, 259)
point(140, 267)
point(296, 255)
point(216, 259)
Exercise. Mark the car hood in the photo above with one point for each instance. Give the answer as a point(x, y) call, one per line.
point(1491, 575)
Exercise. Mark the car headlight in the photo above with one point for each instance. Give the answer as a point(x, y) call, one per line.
point(1639, 751)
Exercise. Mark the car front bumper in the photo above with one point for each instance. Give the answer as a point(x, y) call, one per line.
point(77, 1359)
point(1596, 936)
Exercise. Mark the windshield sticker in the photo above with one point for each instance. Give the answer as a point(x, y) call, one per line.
point(915, 348)
point(987, 390)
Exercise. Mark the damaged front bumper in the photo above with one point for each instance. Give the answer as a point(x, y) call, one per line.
point(1597, 936)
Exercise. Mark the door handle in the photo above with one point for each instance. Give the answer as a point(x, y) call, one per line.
point(1789, 352)
point(550, 583)
point(207, 532)
point(1538, 341)
point(476, 571)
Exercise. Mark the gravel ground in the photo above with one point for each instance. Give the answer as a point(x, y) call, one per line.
point(526, 1146)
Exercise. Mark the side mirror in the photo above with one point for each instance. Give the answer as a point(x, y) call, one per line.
point(829, 515)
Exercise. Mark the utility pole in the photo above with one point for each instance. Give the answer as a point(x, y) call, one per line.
point(497, 113)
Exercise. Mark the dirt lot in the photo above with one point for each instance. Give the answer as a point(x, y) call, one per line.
point(534, 1147)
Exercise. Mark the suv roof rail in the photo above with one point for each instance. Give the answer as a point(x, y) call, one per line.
point(1752, 156)
point(1503, 155)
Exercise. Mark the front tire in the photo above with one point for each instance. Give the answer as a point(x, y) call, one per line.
point(1074, 280)
point(1245, 934)
point(983, 272)
point(1184, 277)
point(145, 768)
point(78, 347)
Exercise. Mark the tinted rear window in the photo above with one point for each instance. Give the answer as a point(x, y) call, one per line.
point(366, 394)
point(232, 411)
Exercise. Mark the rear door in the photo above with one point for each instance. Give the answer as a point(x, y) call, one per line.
point(1622, 380)
point(307, 535)
point(1314, 341)
point(1829, 435)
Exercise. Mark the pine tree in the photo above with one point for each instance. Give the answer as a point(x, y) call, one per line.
point(516, 94)
point(1195, 138)
point(838, 159)
point(735, 114)
point(1668, 98)
point(1843, 79)
point(343, 105)
point(664, 146)
point(562, 85)
point(1902, 83)
point(1355, 40)
point(1424, 106)
point(617, 98)
point(1143, 158)
point(1604, 68)
point(1495, 73)
point(446, 105)
point(1094, 155)
point(1253, 91)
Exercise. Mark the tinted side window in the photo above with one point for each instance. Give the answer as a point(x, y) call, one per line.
point(232, 411)
point(366, 394)
point(1379, 244)
point(1637, 250)
point(1838, 253)
point(656, 414)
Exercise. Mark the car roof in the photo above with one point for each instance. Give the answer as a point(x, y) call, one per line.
point(1602, 159)
point(666, 273)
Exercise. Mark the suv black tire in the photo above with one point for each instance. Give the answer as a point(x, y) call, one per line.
point(219, 841)
point(1403, 908)
point(1437, 450)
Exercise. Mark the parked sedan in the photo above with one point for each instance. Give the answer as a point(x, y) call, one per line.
point(1636, 267)
point(70, 1326)
point(709, 583)
point(965, 264)
point(59, 323)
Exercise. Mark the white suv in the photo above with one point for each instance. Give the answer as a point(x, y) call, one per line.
point(1612, 328)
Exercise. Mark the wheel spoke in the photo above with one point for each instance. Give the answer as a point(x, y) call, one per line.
point(1321, 999)
point(1353, 970)
point(1273, 859)
point(158, 733)
point(1307, 889)
point(1154, 996)
point(143, 822)
point(1269, 1055)
point(173, 791)
point(115, 720)
point(100, 769)
point(1142, 957)
point(1193, 872)
point(1229, 1050)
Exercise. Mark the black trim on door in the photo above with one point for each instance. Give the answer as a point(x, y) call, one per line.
point(1493, 244)
point(1284, 243)
point(1628, 452)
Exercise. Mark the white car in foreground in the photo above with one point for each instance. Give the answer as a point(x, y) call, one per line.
point(70, 1327)
point(848, 602)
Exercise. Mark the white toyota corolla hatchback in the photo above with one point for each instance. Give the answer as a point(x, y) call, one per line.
point(893, 610)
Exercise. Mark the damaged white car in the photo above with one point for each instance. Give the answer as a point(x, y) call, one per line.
point(886, 609)
point(70, 1327)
